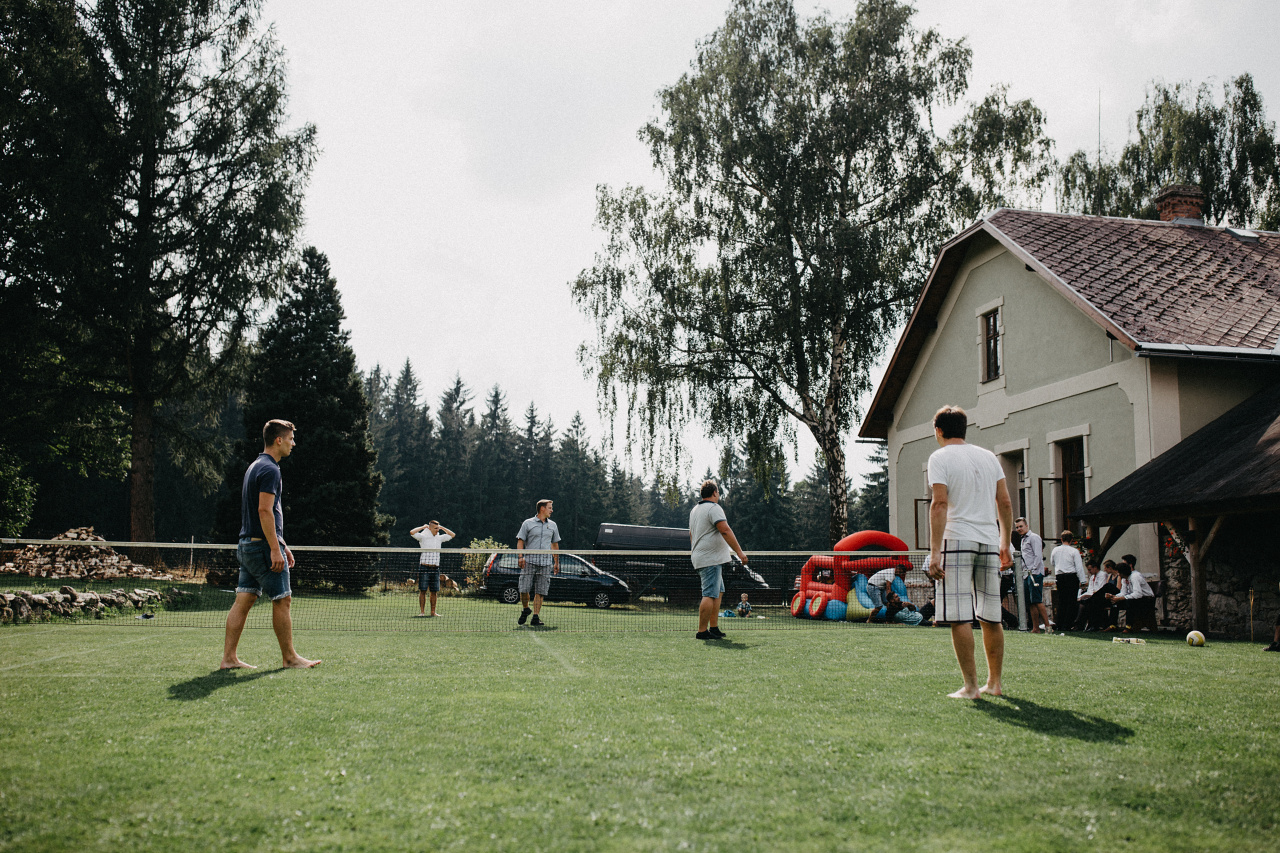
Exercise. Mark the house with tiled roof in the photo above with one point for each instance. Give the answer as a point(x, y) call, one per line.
point(1082, 347)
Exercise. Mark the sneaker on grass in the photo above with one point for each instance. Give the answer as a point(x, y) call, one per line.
point(716, 633)
point(704, 635)
point(535, 620)
point(524, 616)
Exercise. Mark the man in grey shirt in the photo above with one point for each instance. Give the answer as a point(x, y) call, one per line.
point(712, 545)
point(537, 534)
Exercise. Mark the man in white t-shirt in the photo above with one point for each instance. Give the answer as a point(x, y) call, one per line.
point(879, 585)
point(430, 536)
point(970, 520)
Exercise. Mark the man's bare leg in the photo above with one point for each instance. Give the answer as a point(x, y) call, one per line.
point(706, 610)
point(282, 622)
point(962, 642)
point(993, 645)
point(537, 604)
point(422, 603)
point(236, 618)
point(714, 622)
point(433, 602)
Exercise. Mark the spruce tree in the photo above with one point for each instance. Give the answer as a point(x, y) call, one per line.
point(304, 371)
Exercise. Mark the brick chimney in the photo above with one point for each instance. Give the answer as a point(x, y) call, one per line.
point(1180, 201)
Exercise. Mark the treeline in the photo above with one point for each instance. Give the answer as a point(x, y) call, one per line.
point(376, 457)
point(478, 470)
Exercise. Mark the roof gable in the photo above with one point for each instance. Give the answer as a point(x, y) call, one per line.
point(1157, 287)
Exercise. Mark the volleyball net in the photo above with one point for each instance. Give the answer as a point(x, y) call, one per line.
point(385, 589)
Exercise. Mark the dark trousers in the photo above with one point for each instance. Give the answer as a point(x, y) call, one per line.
point(1065, 605)
point(1093, 610)
point(1139, 613)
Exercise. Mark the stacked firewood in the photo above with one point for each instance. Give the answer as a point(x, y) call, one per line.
point(79, 558)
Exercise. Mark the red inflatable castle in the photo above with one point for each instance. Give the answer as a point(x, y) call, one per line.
point(829, 578)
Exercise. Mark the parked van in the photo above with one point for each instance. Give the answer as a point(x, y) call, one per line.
point(671, 576)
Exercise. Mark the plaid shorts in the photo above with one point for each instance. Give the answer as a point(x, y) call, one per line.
point(972, 585)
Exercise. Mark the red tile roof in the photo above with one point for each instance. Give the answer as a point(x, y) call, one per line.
point(1160, 282)
point(1161, 288)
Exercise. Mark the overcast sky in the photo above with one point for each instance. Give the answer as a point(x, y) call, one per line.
point(462, 144)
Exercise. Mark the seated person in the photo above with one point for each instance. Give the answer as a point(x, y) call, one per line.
point(1093, 591)
point(879, 583)
point(897, 610)
point(744, 607)
point(1135, 598)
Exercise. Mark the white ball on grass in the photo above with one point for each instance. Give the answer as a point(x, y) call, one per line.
point(1195, 638)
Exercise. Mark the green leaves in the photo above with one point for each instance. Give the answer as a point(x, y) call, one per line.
point(1228, 149)
point(805, 195)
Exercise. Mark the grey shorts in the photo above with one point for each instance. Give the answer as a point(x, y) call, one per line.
point(535, 579)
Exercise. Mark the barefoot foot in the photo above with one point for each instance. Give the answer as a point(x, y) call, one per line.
point(990, 690)
point(300, 663)
point(965, 693)
point(236, 664)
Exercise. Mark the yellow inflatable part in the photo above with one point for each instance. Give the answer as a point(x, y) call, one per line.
point(855, 612)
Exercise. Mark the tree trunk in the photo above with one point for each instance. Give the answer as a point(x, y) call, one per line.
point(142, 472)
point(829, 441)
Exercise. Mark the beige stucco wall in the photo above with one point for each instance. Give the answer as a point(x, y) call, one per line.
point(1062, 377)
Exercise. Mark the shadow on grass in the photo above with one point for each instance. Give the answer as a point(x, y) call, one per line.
point(725, 644)
point(1057, 722)
point(203, 686)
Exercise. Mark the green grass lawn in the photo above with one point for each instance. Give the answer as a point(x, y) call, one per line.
point(829, 738)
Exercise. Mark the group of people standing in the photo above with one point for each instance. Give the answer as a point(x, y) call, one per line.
point(1089, 597)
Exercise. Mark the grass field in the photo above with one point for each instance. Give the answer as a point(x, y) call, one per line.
point(833, 738)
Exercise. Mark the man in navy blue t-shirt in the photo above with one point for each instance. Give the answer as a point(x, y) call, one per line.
point(264, 557)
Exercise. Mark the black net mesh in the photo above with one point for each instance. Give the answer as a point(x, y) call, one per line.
point(380, 589)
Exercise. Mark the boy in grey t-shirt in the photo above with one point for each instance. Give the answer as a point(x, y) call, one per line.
point(712, 545)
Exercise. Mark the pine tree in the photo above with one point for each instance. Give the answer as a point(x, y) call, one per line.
point(494, 469)
point(870, 511)
point(408, 448)
point(304, 371)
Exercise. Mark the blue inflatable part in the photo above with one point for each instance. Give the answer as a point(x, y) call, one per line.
point(835, 610)
point(860, 587)
point(900, 588)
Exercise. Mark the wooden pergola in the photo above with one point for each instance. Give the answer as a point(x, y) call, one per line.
point(1229, 467)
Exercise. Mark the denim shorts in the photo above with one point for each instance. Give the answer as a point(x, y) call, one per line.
point(256, 577)
point(712, 580)
point(1035, 588)
point(429, 579)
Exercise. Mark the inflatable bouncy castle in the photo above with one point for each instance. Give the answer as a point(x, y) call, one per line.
point(835, 587)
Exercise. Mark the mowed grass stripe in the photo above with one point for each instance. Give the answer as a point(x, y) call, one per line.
point(787, 740)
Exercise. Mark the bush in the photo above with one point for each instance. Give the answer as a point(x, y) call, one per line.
point(473, 564)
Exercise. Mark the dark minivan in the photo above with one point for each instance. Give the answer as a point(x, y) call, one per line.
point(671, 576)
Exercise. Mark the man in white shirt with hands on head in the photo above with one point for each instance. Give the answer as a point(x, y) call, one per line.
point(430, 536)
point(970, 520)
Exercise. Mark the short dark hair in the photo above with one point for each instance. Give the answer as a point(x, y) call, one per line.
point(1124, 568)
point(1067, 536)
point(1131, 560)
point(1111, 563)
point(1023, 520)
point(273, 429)
point(1091, 562)
point(709, 488)
point(952, 420)
point(540, 504)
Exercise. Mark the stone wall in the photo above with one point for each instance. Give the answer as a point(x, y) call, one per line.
point(1242, 558)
